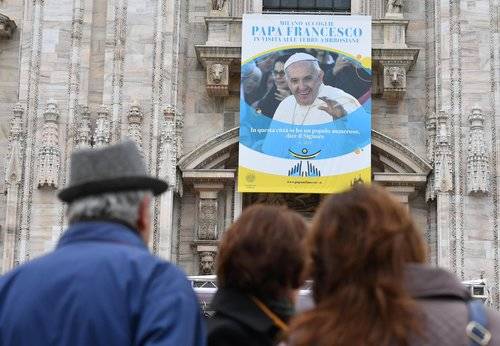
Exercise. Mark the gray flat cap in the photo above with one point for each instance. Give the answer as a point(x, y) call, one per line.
point(114, 168)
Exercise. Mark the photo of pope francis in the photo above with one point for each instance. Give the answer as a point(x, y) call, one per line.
point(311, 102)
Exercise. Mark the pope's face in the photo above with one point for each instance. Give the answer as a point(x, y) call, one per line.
point(304, 81)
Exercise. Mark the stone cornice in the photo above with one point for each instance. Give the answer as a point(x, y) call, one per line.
point(228, 54)
point(209, 176)
point(400, 179)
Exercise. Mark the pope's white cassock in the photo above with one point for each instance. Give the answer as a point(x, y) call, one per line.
point(289, 111)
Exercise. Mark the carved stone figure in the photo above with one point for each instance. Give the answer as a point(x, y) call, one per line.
point(217, 72)
point(7, 27)
point(49, 155)
point(394, 6)
point(207, 262)
point(16, 138)
point(218, 5)
point(102, 132)
point(443, 180)
point(396, 75)
point(135, 118)
point(478, 159)
point(83, 135)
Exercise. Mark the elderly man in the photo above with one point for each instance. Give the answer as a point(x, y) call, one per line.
point(311, 102)
point(101, 286)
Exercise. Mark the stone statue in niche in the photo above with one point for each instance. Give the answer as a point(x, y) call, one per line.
point(207, 262)
point(217, 73)
point(394, 6)
point(396, 75)
point(218, 5)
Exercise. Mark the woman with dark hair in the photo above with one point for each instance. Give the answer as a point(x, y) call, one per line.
point(268, 104)
point(260, 267)
point(371, 286)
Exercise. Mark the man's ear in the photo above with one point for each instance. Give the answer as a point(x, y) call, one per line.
point(144, 219)
point(321, 74)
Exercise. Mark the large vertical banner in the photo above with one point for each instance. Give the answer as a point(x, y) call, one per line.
point(305, 109)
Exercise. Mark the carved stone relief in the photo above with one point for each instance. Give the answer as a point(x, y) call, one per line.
point(102, 132)
point(207, 219)
point(135, 118)
point(168, 145)
point(218, 79)
point(7, 27)
point(16, 142)
point(207, 262)
point(219, 7)
point(83, 136)
point(478, 158)
point(394, 80)
point(443, 180)
point(49, 155)
point(394, 8)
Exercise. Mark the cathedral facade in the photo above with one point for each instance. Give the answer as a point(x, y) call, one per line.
point(87, 73)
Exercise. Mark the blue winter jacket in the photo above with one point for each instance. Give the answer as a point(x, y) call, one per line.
point(100, 286)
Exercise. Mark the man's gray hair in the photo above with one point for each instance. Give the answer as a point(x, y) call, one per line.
point(314, 63)
point(120, 206)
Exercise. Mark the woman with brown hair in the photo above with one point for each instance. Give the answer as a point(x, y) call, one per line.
point(371, 286)
point(260, 266)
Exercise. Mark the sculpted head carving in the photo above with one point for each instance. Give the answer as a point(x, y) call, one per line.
point(134, 113)
point(217, 73)
point(396, 75)
point(51, 113)
point(207, 262)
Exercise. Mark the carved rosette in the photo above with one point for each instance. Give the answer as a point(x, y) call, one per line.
point(478, 160)
point(102, 132)
point(49, 155)
point(83, 136)
point(135, 118)
point(443, 176)
point(218, 78)
point(16, 143)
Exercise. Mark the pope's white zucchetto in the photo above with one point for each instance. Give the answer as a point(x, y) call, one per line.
point(299, 57)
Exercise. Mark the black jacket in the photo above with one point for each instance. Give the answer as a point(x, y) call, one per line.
point(239, 322)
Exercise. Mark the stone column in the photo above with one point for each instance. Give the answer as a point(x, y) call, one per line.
point(13, 175)
point(443, 185)
point(478, 159)
point(238, 202)
point(162, 239)
point(49, 155)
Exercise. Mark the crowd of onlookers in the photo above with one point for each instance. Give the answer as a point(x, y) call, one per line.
point(365, 256)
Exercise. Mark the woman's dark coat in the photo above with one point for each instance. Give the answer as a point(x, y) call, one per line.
point(238, 321)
